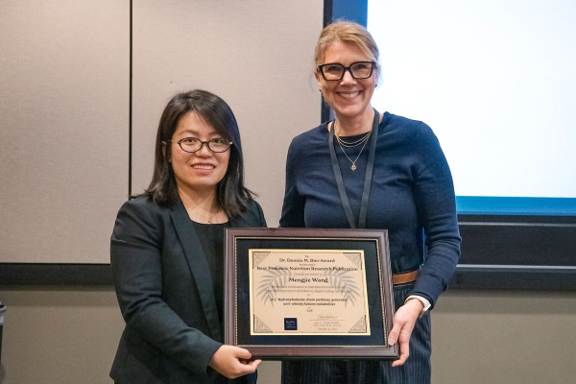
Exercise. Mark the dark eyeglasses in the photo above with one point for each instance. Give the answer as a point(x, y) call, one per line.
point(192, 144)
point(335, 71)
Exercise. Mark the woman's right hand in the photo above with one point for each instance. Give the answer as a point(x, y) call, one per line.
point(233, 362)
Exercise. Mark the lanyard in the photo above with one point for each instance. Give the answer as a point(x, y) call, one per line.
point(367, 178)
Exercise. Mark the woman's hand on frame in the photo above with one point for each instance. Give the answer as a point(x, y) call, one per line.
point(404, 321)
point(233, 362)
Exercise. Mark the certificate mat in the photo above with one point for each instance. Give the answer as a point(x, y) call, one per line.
point(309, 293)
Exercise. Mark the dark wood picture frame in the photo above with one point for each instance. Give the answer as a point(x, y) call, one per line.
point(380, 298)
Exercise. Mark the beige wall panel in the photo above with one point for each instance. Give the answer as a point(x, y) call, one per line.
point(70, 336)
point(256, 54)
point(60, 335)
point(64, 74)
point(504, 337)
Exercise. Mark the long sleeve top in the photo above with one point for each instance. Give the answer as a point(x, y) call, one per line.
point(412, 196)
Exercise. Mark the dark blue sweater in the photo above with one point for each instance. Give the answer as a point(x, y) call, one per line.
point(412, 196)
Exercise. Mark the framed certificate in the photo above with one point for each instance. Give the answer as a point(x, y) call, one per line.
point(309, 293)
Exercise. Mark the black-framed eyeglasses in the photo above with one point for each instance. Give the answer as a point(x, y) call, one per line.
point(335, 71)
point(192, 144)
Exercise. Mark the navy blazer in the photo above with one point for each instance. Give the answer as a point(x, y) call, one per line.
point(166, 295)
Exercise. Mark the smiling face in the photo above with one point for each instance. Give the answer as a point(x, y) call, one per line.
point(200, 171)
point(348, 97)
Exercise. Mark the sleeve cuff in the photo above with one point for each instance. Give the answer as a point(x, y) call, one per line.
point(423, 300)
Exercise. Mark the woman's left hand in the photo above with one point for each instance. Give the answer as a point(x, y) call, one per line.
point(404, 321)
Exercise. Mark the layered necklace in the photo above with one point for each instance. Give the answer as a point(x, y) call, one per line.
point(347, 144)
point(362, 214)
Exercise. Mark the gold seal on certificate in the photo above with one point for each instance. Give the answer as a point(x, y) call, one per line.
point(308, 292)
point(294, 293)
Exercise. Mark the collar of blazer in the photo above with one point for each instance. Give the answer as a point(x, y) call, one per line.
point(198, 265)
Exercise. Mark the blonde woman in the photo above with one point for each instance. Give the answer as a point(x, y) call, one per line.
point(365, 169)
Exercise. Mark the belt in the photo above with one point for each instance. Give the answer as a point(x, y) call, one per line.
point(403, 278)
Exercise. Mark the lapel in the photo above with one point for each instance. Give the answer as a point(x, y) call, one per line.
point(198, 265)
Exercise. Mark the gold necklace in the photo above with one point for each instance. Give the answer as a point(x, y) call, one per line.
point(365, 138)
point(353, 143)
point(208, 219)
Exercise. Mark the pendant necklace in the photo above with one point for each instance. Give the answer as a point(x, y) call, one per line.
point(362, 215)
point(350, 145)
point(209, 220)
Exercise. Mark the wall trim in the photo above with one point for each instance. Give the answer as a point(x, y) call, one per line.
point(55, 274)
point(465, 277)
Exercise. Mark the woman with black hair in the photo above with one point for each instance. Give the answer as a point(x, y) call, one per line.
point(167, 250)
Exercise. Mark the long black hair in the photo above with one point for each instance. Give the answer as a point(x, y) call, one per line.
point(231, 193)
